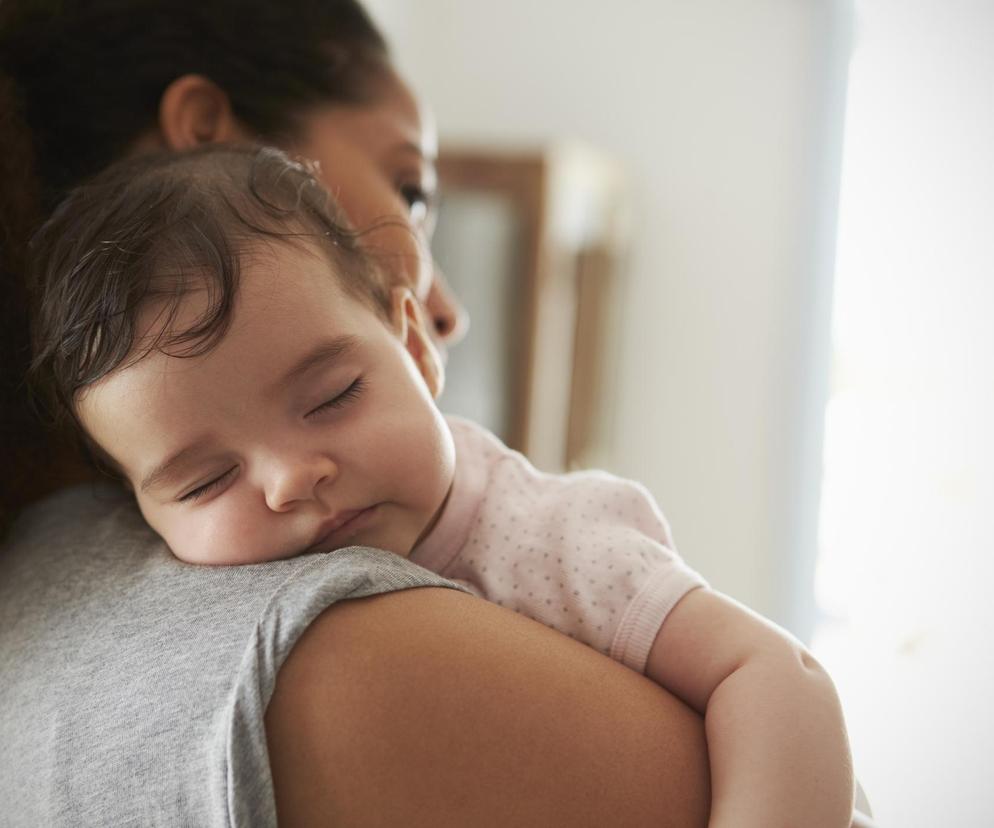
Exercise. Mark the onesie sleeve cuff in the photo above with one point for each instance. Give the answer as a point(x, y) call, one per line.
point(645, 614)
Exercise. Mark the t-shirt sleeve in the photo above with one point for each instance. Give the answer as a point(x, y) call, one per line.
point(241, 756)
point(134, 686)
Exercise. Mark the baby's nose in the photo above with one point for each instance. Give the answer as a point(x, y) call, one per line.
point(293, 481)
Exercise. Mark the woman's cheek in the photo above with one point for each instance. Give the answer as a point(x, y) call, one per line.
point(426, 270)
point(401, 250)
point(381, 217)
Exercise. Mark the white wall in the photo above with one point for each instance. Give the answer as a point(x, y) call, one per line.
point(728, 114)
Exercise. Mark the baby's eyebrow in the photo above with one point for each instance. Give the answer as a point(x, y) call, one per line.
point(325, 352)
point(168, 467)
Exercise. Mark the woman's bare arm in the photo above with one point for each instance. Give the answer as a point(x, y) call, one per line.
point(432, 708)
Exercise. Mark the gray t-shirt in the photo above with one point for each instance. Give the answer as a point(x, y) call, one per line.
point(133, 686)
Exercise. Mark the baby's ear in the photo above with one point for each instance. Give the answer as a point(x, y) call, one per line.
point(408, 320)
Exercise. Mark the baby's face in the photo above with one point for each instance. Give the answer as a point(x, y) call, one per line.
point(310, 427)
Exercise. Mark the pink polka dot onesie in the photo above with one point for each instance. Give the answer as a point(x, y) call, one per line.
point(587, 553)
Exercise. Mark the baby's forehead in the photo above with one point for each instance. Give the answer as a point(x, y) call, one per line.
point(283, 294)
point(197, 306)
point(285, 310)
point(194, 341)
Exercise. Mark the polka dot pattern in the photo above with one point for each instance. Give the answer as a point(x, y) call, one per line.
point(587, 553)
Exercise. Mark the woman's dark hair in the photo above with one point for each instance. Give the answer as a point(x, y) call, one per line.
point(153, 229)
point(81, 80)
point(90, 73)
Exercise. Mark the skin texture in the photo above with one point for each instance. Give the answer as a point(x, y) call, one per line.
point(477, 716)
point(274, 463)
point(776, 735)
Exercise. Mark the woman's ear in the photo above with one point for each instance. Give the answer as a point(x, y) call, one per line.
point(408, 322)
point(194, 111)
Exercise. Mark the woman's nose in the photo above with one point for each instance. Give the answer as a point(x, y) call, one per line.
point(448, 316)
point(293, 480)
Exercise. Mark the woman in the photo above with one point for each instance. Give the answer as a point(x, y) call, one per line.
point(229, 695)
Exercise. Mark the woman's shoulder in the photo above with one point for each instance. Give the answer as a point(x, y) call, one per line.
point(93, 517)
point(400, 730)
point(136, 676)
point(72, 508)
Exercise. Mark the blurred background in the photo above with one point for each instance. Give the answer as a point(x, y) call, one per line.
point(743, 252)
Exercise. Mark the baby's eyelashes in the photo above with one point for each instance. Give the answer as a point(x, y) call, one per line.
point(209, 487)
point(351, 393)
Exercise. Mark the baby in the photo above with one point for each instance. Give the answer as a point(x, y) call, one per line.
point(265, 390)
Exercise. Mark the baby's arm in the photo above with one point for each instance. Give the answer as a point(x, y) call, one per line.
point(776, 736)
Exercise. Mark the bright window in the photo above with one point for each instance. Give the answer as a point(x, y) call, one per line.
point(906, 570)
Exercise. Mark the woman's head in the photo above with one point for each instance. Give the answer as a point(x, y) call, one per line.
point(99, 80)
point(92, 74)
point(85, 83)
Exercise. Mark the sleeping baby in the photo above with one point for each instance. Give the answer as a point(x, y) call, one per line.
point(266, 389)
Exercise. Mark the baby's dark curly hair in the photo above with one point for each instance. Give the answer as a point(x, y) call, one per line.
point(154, 228)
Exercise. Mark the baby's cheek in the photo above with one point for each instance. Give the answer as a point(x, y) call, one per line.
point(193, 535)
point(430, 463)
point(193, 541)
point(168, 527)
point(224, 536)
